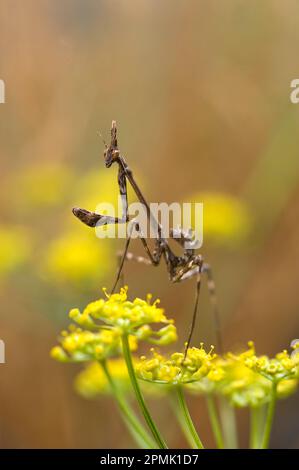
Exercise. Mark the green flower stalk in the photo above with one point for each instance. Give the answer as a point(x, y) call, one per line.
point(214, 420)
point(181, 419)
point(187, 418)
point(77, 345)
point(91, 382)
point(257, 422)
point(245, 380)
point(282, 373)
point(229, 424)
point(147, 416)
point(269, 417)
point(177, 371)
point(111, 377)
point(130, 419)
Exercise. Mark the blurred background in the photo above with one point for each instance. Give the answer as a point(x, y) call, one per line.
point(200, 90)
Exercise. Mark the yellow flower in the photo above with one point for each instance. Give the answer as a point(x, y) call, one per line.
point(241, 385)
point(77, 345)
point(129, 317)
point(231, 378)
point(286, 387)
point(14, 249)
point(282, 366)
point(78, 257)
point(226, 218)
point(92, 382)
point(175, 369)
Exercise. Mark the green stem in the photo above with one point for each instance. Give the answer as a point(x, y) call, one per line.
point(257, 418)
point(188, 420)
point(181, 420)
point(269, 417)
point(229, 425)
point(143, 439)
point(214, 420)
point(150, 422)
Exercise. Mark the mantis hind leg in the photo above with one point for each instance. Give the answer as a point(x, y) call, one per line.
point(195, 311)
point(197, 268)
point(206, 269)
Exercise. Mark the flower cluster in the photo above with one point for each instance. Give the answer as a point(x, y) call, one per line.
point(127, 317)
point(100, 327)
point(282, 366)
point(246, 379)
point(177, 369)
point(109, 329)
point(77, 345)
point(92, 381)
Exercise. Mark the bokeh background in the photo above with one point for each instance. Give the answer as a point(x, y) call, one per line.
point(200, 90)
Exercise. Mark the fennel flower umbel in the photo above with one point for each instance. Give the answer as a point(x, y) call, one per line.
point(176, 369)
point(127, 317)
